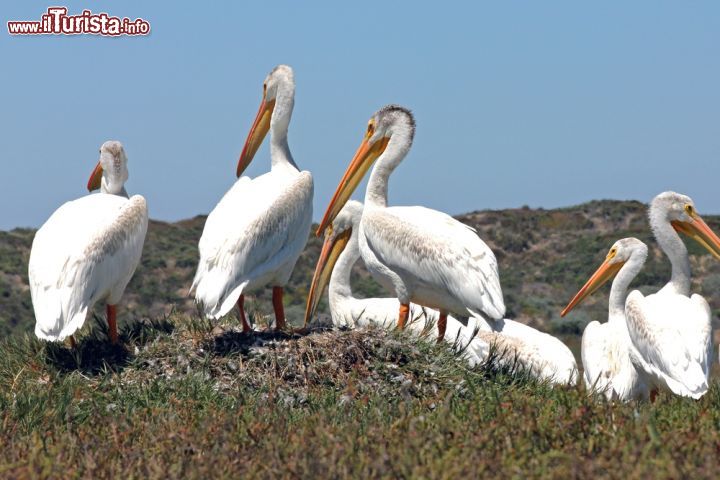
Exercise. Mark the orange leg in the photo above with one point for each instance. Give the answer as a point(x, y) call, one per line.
point(403, 317)
point(653, 395)
point(112, 323)
point(442, 325)
point(278, 307)
point(241, 313)
point(73, 343)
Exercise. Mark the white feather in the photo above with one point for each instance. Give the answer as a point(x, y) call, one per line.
point(87, 251)
point(441, 262)
point(253, 237)
point(607, 364)
point(670, 334)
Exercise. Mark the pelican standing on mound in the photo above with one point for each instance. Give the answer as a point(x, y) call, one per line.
point(423, 255)
point(256, 233)
point(542, 355)
point(87, 251)
point(671, 330)
point(606, 346)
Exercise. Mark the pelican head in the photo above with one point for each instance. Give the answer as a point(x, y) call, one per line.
point(275, 110)
point(390, 129)
point(337, 237)
point(111, 171)
point(619, 254)
point(680, 211)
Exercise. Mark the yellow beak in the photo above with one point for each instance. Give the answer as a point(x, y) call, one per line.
point(605, 272)
point(95, 180)
point(699, 230)
point(331, 250)
point(366, 154)
point(260, 127)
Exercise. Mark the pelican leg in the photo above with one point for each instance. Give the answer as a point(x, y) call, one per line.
point(653, 395)
point(442, 326)
point(241, 313)
point(403, 317)
point(73, 343)
point(112, 323)
point(277, 297)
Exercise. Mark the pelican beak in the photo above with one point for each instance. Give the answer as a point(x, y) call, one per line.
point(361, 162)
point(95, 181)
point(260, 127)
point(699, 230)
point(331, 250)
point(605, 272)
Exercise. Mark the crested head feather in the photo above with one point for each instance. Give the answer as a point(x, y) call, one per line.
point(398, 109)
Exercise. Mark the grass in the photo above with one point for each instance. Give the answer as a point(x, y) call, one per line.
point(188, 399)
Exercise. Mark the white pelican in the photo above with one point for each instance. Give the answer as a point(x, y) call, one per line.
point(256, 233)
point(606, 346)
point(423, 255)
point(542, 355)
point(671, 330)
point(87, 251)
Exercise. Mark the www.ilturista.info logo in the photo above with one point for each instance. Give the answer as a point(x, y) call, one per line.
point(57, 22)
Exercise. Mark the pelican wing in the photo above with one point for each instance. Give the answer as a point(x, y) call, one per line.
point(659, 344)
point(259, 227)
point(523, 353)
point(699, 337)
point(439, 251)
point(86, 251)
point(595, 353)
point(546, 351)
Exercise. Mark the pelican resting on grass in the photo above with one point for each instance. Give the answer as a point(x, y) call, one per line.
point(670, 331)
point(422, 255)
point(516, 344)
point(256, 233)
point(606, 346)
point(87, 251)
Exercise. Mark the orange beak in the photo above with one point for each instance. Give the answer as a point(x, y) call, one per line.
point(366, 154)
point(95, 180)
point(259, 129)
point(331, 250)
point(605, 272)
point(700, 232)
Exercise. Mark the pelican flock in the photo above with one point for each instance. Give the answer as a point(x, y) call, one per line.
point(539, 354)
point(671, 330)
point(87, 251)
point(339, 253)
point(668, 345)
point(257, 231)
point(442, 275)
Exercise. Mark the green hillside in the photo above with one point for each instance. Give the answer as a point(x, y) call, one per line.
point(544, 257)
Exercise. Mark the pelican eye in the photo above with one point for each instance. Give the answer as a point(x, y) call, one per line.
point(612, 253)
point(690, 210)
point(370, 129)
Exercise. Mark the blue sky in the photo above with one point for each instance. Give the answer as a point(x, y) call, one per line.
point(517, 103)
